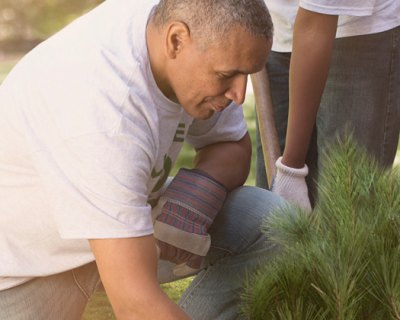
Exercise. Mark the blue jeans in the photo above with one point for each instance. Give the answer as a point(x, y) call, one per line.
point(238, 247)
point(362, 93)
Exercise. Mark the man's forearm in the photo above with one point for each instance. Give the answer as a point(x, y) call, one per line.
point(227, 162)
point(313, 40)
point(127, 268)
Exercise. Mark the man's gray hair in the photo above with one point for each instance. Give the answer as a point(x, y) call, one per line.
point(212, 20)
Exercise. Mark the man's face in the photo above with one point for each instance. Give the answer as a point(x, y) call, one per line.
point(205, 81)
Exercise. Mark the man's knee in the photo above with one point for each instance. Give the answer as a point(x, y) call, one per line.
point(239, 224)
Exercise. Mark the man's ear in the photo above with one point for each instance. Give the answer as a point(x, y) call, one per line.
point(177, 37)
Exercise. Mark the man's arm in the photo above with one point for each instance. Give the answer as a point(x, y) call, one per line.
point(128, 270)
point(226, 162)
point(193, 199)
point(313, 39)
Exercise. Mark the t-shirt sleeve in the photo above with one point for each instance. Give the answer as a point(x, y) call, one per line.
point(340, 7)
point(97, 186)
point(228, 125)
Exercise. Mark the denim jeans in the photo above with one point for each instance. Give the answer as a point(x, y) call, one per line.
point(362, 94)
point(238, 247)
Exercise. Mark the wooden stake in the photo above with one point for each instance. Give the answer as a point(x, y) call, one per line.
point(266, 122)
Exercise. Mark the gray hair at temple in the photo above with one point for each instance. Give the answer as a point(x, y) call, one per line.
point(212, 20)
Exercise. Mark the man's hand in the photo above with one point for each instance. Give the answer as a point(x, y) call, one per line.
point(187, 208)
point(291, 185)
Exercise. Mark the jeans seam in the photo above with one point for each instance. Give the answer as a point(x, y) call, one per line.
point(222, 249)
point(189, 295)
point(79, 285)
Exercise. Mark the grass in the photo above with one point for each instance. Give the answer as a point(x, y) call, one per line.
point(99, 307)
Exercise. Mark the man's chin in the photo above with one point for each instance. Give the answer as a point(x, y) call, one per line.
point(201, 111)
point(202, 114)
point(205, 115)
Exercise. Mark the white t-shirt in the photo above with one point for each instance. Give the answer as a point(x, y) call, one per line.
point(86, 142)
point(356, 17)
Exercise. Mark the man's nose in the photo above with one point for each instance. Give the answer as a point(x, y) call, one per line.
point(237, 90)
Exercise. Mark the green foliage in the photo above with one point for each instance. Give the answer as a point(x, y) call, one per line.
point(342, 261)
point(5, 67)
point(38, 19)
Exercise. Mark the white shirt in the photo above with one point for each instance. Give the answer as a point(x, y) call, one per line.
point(356, 17)
point(86, 141)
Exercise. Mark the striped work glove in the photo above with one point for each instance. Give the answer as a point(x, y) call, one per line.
point(187, 208)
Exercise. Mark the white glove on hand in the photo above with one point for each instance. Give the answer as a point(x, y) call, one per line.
point(291, 185)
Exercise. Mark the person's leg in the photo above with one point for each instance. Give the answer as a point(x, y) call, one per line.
point(238, 247)
point(61, 296)
point(363, 92)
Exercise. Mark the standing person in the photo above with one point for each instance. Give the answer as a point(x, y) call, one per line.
point(353, 80)
point(91, 122)
point(283, 14)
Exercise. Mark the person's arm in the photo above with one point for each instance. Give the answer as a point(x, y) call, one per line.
point(313, 39)
point(219, 167)
point(226, 162)
point(128, 271)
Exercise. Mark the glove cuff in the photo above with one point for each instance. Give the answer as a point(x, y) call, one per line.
point(191, 242)
point(197, 192)
point(291, 172)
point(205, 175)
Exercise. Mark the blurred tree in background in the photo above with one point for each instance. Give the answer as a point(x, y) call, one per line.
point(24, 23)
